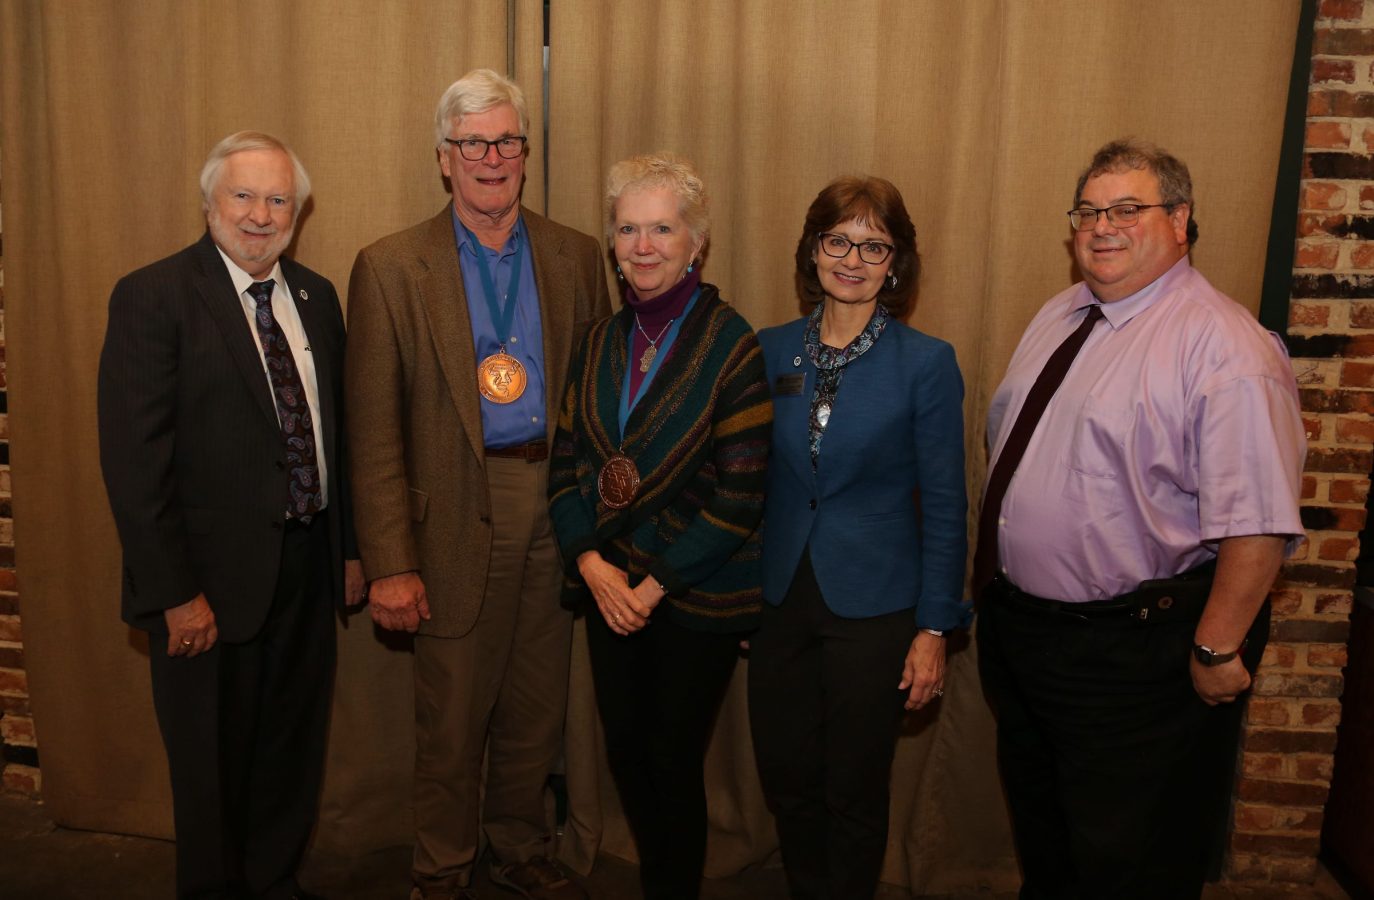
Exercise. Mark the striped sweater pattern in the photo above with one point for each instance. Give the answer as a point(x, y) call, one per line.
point(699, 437)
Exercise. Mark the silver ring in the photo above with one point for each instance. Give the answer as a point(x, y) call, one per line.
point(615, 616)
point(185, 643)
point(939, 693)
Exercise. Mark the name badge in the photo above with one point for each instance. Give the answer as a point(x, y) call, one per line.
point(789, 385)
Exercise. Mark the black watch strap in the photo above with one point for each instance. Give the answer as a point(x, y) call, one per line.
point(1209, 657)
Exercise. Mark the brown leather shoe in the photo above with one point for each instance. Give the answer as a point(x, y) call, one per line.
point(538, 878)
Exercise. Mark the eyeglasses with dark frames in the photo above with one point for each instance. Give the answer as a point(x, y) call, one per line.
point(1122, 215)
point(838, 246)
point(474, 149)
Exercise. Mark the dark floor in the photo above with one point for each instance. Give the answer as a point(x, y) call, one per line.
point(39, 861)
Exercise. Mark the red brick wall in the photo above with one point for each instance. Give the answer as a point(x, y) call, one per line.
point(1291, 727)
point(18, 749)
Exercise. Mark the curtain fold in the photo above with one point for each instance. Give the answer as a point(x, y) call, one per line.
point(107, 110)
point(981, 112)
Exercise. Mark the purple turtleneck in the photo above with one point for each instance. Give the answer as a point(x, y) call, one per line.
point(654, 316)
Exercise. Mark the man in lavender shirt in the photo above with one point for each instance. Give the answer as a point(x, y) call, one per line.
point(1136, 544)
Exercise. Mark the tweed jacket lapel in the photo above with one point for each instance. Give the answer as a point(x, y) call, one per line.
point(440, 285)
point(216, 290)
point(554, 276)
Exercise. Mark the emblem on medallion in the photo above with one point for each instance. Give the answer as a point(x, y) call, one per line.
point(618, 481)
point(501, 378)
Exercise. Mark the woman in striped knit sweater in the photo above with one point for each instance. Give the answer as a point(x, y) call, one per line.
point(656, 489)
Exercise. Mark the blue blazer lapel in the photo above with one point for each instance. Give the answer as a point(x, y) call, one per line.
point(792, 412)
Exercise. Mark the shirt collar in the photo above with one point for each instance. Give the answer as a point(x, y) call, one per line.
point(1119, 312)
point(517, 234)
point(242, 280)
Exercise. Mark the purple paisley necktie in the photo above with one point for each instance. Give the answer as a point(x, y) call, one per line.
point(293, 411)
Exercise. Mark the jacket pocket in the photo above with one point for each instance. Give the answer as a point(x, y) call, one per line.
point(419, 502)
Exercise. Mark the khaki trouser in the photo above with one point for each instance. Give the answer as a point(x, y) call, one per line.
point(502, 688)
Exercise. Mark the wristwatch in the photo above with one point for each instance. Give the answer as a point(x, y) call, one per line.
point(1209, 657)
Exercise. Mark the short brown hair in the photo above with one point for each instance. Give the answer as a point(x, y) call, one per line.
point(873, 201)
point(1175, 184)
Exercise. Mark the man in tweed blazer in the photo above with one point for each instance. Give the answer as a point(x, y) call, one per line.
point(461, 330)
point(234, 544)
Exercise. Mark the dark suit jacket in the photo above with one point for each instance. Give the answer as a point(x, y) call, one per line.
point(419, 470)
point(897, 430)
point(192, 455)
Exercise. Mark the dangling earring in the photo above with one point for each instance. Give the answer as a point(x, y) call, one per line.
point(689, 267)
point(619, 275)
point(894, 280)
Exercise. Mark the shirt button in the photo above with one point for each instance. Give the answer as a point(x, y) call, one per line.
point(514, 339)
point(534, 418)
point(1001, 520)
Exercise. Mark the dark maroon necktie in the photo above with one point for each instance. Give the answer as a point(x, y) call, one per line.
point(293, 410)
point(1048, 381)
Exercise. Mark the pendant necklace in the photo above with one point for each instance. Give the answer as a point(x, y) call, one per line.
point(647, 359)
point(618, 480)
point(501, 378)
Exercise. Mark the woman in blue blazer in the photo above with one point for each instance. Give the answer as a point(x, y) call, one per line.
point(864, 537)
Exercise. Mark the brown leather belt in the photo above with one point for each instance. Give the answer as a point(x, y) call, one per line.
point(534, 451)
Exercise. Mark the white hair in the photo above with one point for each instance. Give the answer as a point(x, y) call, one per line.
point(241, 141)
point(477, 92)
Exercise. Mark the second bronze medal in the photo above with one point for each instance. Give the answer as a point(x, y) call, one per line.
point(618, 481)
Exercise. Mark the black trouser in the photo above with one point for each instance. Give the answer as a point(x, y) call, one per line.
point(658, 691)
point(825, 710)
point(244, 726)
point(1111, 763)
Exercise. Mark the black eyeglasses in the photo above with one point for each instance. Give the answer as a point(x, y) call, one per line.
point(838, 246)
point(473, 149)
point(1122, 215)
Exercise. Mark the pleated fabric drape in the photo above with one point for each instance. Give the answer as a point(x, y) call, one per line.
point(107, 110)
point(982, 112)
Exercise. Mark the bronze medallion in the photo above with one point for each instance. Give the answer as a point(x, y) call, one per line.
point(618, 481)
point(501, 378)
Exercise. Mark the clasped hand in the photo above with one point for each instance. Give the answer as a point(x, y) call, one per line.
point(625, 609)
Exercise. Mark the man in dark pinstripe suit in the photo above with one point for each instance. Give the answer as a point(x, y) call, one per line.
point(221, 443)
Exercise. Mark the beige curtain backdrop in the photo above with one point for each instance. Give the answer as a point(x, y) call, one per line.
point(107, 109)
point(982, 112)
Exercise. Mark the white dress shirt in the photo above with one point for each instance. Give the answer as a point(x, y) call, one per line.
point(289, 320)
